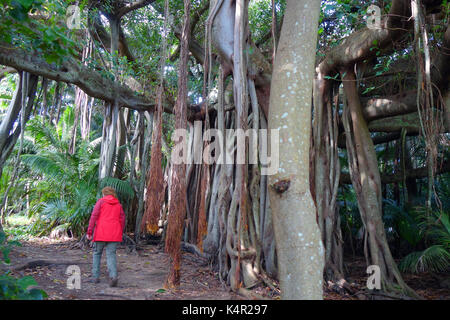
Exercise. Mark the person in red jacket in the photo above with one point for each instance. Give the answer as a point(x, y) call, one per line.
point(108, 219)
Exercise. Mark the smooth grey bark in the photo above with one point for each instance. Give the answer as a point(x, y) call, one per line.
point(298, 240)
point(112, 110)
point(108, 147)
point(9, 134)
point(28, 84)
point(145, 142)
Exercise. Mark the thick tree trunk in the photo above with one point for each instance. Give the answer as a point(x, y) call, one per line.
point(366, 180)
point(298, 239)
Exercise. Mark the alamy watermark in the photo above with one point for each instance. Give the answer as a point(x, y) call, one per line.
point(74, 279)
point(228, 147)
point(373, 20)
point(374, 280)
point(73, 17)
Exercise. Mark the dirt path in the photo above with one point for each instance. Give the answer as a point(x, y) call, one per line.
point(141, 276)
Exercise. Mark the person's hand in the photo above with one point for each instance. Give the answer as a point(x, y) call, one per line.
point(89, 237)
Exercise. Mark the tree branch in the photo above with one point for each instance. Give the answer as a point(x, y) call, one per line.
point(127, 8)
point(91, 82)
point(398, 177)
point(357, 47)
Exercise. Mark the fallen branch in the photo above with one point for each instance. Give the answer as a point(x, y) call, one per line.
point(44, 263)
point(250, 294)
point(195, 250)
point(129, 243)
point(83, 243)
point(416, 173)
point(268, 282)
point(381, 295)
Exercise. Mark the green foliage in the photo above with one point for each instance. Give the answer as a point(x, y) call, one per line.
point(123, 188)
point(19, 289)
point(260, 18)
point(5, 247)
point(400, 222)
point(434, 227)
point(435, 258)
point(49, 36)
point(68, 181)
point(351, 223)
point(16, 288)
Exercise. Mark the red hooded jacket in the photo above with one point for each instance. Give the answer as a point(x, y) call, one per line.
point(108, 219)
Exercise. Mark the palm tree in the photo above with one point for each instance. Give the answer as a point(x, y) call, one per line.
point(68, 181)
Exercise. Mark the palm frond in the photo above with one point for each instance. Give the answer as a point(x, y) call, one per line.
point(44, 165)
point(45, 135)
point(435, 258)
point(123, 188)
point(55, 210)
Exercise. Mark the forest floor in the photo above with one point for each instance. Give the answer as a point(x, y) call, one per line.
point(142, 274)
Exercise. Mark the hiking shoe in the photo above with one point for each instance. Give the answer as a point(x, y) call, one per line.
point(113, 282)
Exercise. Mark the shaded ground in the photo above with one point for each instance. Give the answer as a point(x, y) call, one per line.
point(142, 275)
point(427, 285)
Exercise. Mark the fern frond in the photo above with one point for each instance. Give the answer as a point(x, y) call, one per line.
point(435, 258)
point(123, 188)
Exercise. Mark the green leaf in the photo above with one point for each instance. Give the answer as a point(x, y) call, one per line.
point(368, 90)
point(35, 294)
point(6, 252)
point(26, 3)
point(160, 291)
point(18, 13)
point(26, 282)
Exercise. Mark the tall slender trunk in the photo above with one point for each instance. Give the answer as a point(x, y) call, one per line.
point(326, 175)
point(177, 202)
point(27, 95)
point(108, 147)
point(144, 159)
point(155, 192)
point(366, 180)
point(298, 239)
point(8, 133)
point(111, 115)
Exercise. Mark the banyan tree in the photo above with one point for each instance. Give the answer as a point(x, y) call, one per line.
point(241, 122)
